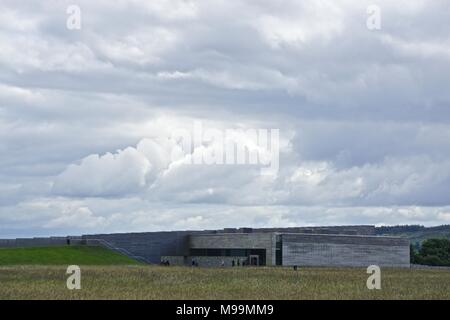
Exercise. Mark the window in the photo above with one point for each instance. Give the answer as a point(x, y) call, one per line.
point(279, 251)
point(244, 253)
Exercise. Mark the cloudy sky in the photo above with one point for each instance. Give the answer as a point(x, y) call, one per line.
point(86, 115)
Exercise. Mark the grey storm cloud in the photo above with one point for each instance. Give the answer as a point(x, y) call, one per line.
point(86, 115)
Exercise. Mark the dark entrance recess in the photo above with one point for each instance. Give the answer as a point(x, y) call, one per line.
point(260, 254)
point(253, 260)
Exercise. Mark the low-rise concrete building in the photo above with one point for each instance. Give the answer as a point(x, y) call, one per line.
point(294, 249)
point(315, 246)
point(299, 246)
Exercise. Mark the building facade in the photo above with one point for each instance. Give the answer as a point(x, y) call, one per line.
point(313, 246)
point(300, 246)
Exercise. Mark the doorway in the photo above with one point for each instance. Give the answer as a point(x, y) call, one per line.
point(253, 259)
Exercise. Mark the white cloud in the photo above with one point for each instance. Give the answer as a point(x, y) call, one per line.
point(108, 175)
point(318, 21)
point(444, 216)
point(75, 217)
point(150, 169)
point(363, 115)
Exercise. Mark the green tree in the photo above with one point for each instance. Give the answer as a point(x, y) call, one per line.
point(434, 252)
point(412, 254)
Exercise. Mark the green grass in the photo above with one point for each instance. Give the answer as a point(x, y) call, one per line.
point(158, 282)
point(40, 273)
point(64, 255)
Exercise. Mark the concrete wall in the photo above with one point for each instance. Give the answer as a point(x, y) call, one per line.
point(39, 242)
point(149, 246)
point(333, 250)
point(236, 241)
point(347, 230)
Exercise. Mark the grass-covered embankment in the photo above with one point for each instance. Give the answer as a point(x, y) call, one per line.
point(62, 255)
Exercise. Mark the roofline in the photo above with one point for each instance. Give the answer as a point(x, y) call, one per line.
point(299, 233)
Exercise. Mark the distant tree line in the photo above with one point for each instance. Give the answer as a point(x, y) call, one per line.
point(432, 252)
point(399, 229)
point(410, 228)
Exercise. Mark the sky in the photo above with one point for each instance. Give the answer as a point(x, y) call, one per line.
point(87, 114)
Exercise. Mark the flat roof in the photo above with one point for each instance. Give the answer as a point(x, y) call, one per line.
point(297, 233)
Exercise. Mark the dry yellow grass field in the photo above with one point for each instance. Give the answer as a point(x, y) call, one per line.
point(157, 282)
